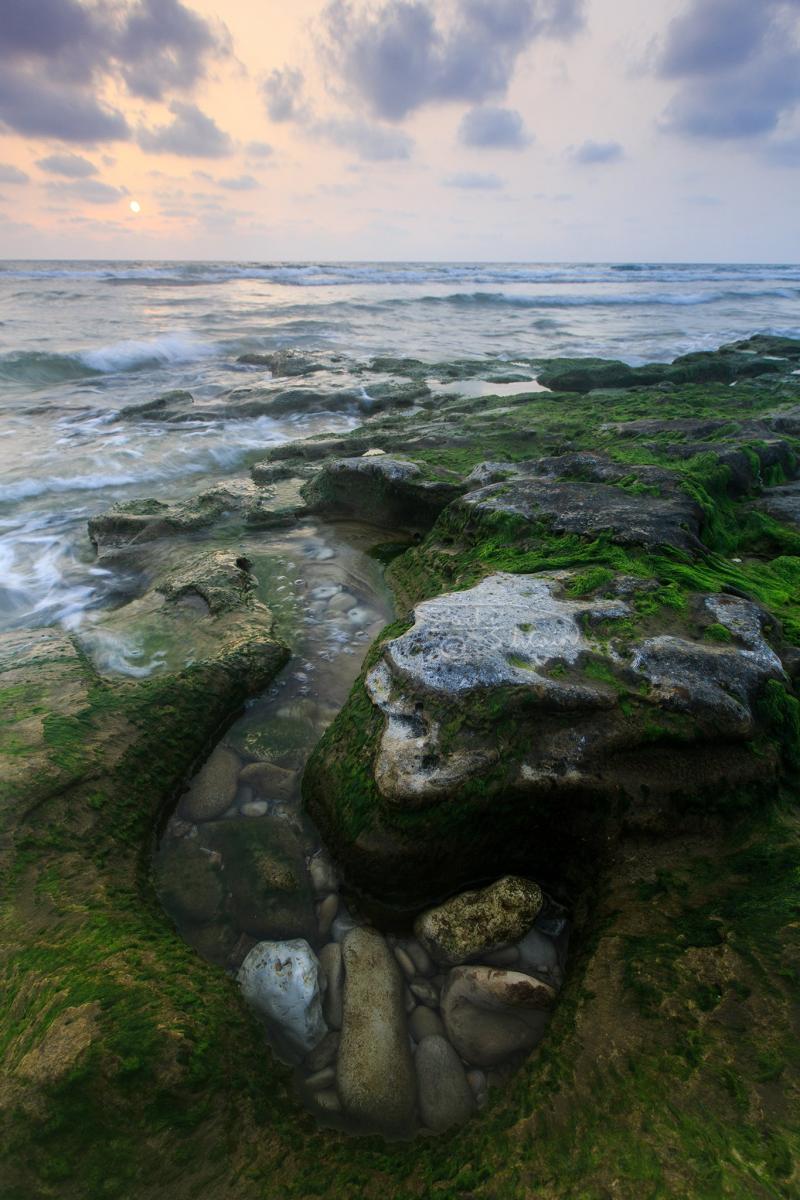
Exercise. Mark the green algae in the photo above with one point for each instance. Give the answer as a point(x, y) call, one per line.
point(671, 1067)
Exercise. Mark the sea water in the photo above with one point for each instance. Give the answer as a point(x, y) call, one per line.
point(81, 342)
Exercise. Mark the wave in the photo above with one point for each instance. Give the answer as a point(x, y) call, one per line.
point(618, 300)
point(40, 367)
point(130, 355)
point(375, 274)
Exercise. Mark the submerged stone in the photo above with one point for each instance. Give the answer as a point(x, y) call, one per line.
point(213, 789)
point(188, 880)
point(270, 893)
point(445, 1096)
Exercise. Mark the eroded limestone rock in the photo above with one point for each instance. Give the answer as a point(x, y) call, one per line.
point(381, 489)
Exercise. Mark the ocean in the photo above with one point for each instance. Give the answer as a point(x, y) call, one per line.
point(81, 342)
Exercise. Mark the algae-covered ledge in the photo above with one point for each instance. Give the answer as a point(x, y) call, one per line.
point(623, 722)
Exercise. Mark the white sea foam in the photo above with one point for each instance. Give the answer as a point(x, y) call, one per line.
point(128, 355)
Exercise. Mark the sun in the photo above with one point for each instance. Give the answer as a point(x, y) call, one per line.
point(135, 206)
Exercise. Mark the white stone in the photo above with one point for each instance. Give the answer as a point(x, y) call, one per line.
point(283, 982)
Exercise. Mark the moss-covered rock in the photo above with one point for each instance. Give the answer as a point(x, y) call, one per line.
point(477, 922)
point(383, 490)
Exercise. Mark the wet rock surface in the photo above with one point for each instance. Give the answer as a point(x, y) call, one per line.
point(655, 513)
point(385, 490)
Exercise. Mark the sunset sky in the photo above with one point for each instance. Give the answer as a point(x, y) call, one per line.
point(407, 129)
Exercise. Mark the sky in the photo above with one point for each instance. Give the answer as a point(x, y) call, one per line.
point(534, 130)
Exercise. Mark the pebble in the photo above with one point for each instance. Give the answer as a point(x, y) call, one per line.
point(328, 1102)
point(424, 1022)
point(445, 1097)
point(323, 1080)
point(480, 1087)
point(425, 992)
point(406, 964)
point(255, 808)
point(420, 957)
point(342, 924)
point(538, 954)
point(268, 781)
point(330, 958)
point(409, 1000)
point(213, 789)
point(475, 923)
point(507, 956)
point(342, 603)
point(324, 1054)
point(326, 913)
point(323, 875)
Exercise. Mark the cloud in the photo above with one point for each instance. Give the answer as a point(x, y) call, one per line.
point(372, 143)
point(783, 152)
point(164, 45)
point(259, 149)
point(72, 166)
point(739, 67)
point(285, 100)
point(190, 134)
point(92, 191)
point(283, 95)
point(590, 153)
point(240, 183)
point(712, 35)
point(474, 181)
point(494, 128)
point(11, 174)
point(56, 56)
point(40, 109)
point(399, 57)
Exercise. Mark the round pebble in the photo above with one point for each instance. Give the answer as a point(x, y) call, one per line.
point(425, 1022)
point(425, 993)
point(322, 1080)
point(254, 808)
point(326, 913)
point(408, 968)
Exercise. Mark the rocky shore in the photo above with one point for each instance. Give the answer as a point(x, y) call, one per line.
point(582, 723)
